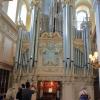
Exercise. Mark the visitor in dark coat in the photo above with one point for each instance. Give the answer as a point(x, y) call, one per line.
point(19, 94)
point(27, 92)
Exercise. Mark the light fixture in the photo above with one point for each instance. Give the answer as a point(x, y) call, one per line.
point(94, 60)
point(50, 90)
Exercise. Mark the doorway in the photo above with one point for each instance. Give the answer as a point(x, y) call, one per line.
point(49, 90)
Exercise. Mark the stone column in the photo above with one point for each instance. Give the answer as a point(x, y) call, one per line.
point(96, 4)
point(67, 32)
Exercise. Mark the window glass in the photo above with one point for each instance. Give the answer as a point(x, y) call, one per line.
point(12, 6)
point(23, 14)
point(81, 16)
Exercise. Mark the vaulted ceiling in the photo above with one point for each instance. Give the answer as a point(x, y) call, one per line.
point(83, 2)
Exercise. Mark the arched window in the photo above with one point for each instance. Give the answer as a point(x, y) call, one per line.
point(81, 13)
point(81, 16)
point(12, 7)
point(23, 14)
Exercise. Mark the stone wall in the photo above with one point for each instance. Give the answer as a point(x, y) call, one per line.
point(8, 37)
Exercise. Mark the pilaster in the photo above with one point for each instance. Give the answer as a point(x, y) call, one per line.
point(67, 91)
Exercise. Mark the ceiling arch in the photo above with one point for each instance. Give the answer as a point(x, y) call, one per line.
point(87, 3)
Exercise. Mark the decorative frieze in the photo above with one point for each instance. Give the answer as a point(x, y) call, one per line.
point(59, 71)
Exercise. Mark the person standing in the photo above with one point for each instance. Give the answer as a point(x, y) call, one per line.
point(27, 92)
point(23, 86)
point(1, 97)
point(19, 94)
point(83, 95)
point(11, 94)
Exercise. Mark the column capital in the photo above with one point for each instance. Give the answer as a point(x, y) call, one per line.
point(95, 3)
point(35, 2)
point(69, 2)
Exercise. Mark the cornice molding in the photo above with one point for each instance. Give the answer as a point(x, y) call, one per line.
point(8, 20)
point(8, 27)
point(5, 66)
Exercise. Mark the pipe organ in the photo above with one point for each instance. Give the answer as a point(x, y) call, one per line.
point(58, 45)
point(76, 43)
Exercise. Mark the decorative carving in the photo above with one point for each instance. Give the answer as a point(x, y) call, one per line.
point(57, 71)
point(50, 55)
point(78, 43)
point(50, 49)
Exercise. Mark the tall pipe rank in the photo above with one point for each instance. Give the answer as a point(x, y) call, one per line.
point(18, 48)
point(87, 42)
point(67, 35)
point(33, 33)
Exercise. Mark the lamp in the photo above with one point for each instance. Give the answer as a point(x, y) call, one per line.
point(94, 60)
